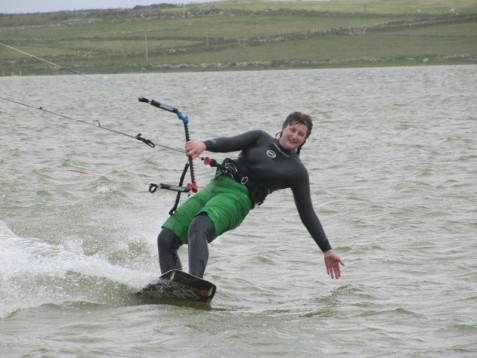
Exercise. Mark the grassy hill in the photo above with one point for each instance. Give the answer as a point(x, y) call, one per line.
point(241, 35)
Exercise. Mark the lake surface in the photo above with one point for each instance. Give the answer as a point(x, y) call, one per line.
point(393, 167)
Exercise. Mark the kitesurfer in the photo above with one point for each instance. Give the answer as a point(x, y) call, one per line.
point(265, 164)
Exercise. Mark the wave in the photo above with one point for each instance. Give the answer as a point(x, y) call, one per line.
point(35, 273)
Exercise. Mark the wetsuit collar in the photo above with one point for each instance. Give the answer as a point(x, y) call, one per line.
point(282, 150)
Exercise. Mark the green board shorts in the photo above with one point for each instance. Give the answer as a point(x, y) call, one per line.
point(225, 201)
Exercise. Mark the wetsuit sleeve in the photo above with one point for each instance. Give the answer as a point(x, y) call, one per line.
point(233, 144)
point(301, 194)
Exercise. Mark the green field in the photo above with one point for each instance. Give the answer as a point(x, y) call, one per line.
point(241, 35)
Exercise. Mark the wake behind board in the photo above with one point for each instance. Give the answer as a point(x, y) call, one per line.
point(176, 285)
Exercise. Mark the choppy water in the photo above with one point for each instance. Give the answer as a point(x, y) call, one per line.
point(393, 165)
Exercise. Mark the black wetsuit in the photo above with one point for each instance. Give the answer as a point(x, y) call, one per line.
point(267, 167)
point(268, 164)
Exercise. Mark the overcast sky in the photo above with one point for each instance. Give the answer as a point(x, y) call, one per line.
point(24, 6)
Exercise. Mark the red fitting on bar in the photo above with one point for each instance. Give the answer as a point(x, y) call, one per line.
point(193, 187)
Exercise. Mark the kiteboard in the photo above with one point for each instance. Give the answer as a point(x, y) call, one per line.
point(180, 286)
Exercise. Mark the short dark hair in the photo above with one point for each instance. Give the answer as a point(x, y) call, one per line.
point(300, 118)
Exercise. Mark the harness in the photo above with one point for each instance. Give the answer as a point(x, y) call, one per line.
point(236, 170)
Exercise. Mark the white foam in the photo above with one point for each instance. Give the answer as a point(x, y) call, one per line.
point(33, 272)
